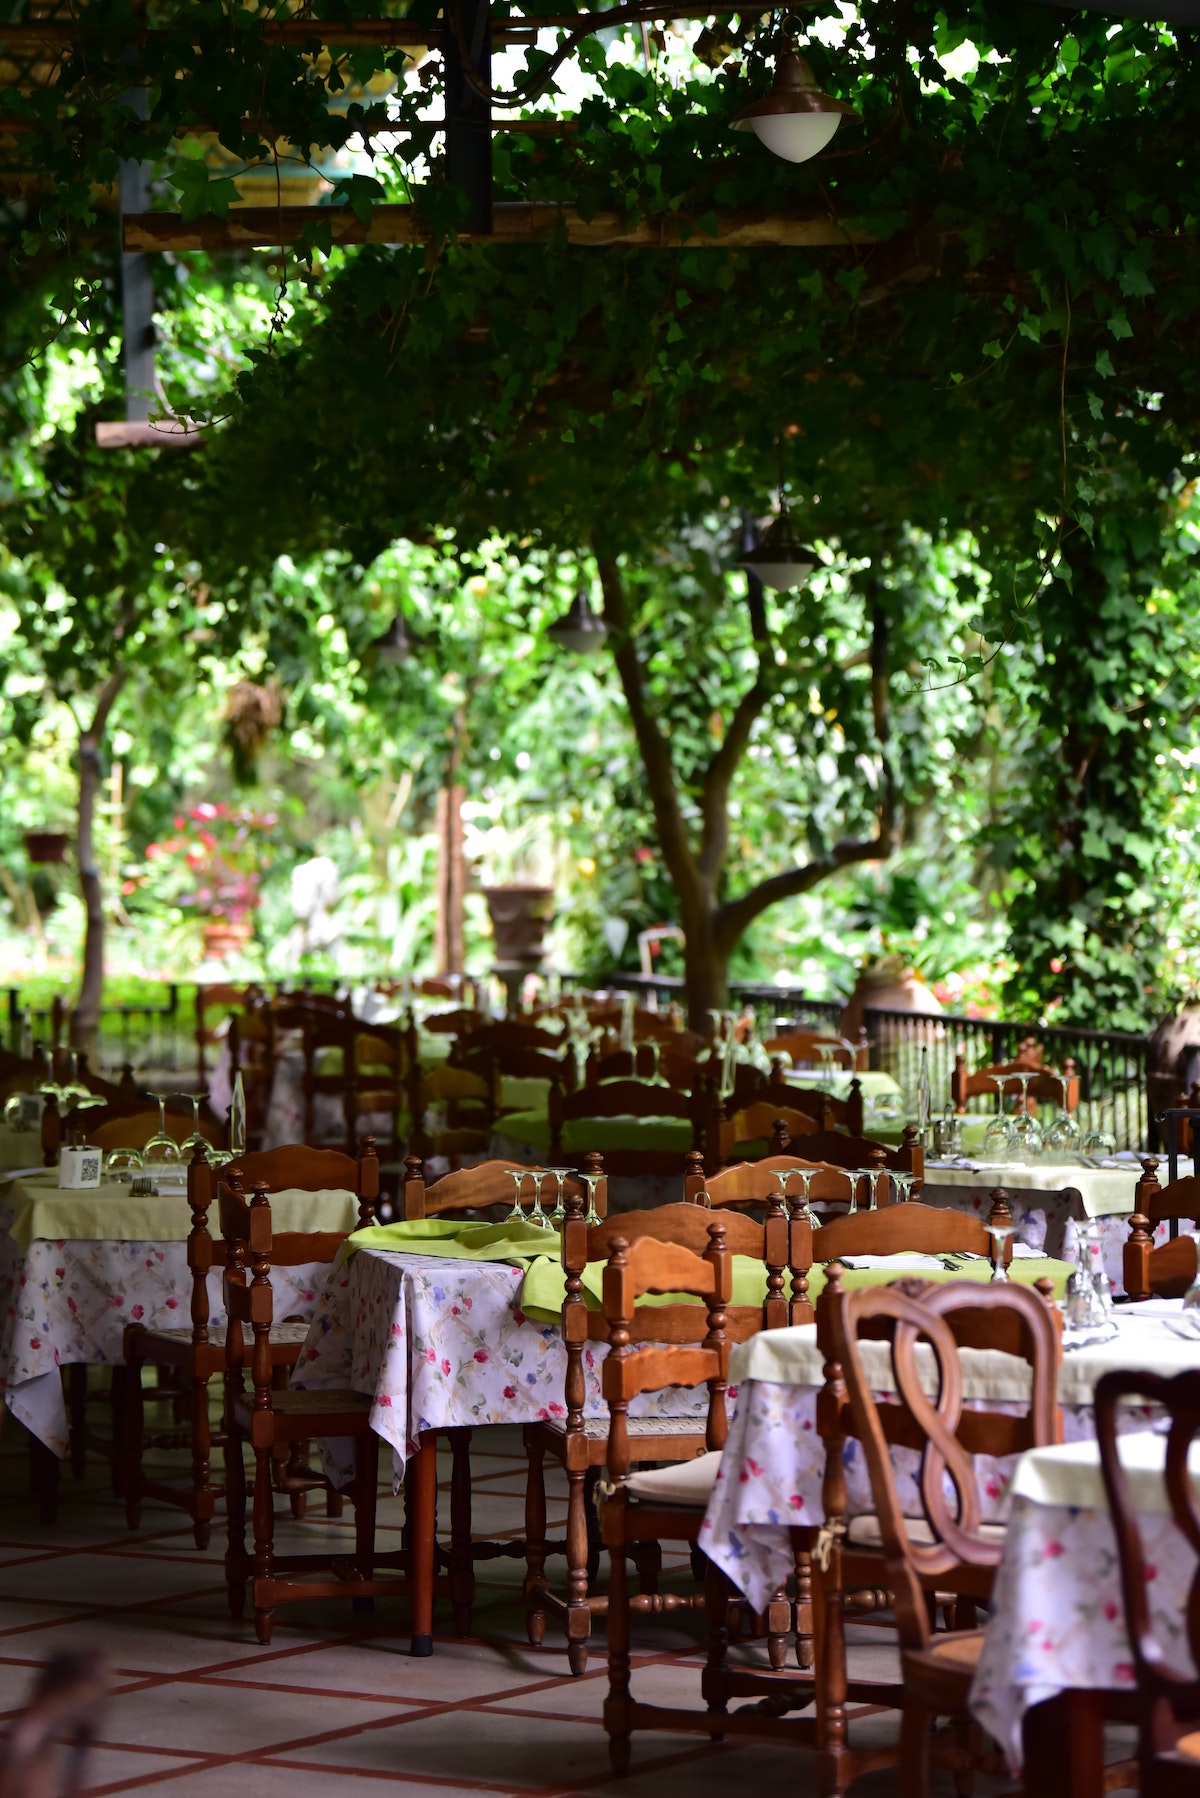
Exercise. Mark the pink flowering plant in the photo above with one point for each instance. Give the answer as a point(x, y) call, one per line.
point(213, 864)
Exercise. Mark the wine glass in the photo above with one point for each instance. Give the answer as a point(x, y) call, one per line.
point(162, 1148)
point(517, 1214)
point(122, 1165)
point(1099, 1142)
point(1025, 1127)
point(1062, 1134)
point(854, 1178)
point(592, 1181)
point(887, 1107)
point(870, 1175)
point(197, 1136)
point(560, 1211)
point(905, 1182)
point(537, 1217)
point(999, 1234)
point(999, 1142)
point(783, 1175)
point(73, 1087)
point(826, 1053)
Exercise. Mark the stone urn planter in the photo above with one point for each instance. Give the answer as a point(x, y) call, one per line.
point(889, 986)
point(521, 915)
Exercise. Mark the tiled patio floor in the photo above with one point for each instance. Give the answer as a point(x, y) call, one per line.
point(336, 1706)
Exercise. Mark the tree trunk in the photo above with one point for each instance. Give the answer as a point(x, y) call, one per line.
point(706, 989)
point(86, 1018)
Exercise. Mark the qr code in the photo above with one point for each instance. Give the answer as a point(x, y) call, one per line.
point(89, 1169)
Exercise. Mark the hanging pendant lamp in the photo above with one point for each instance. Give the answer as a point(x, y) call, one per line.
point(795, 120)
point(781, 560)
point(580, 628)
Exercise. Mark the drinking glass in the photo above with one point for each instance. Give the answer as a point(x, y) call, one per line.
point(783, 1175)
point(122, 1164)
point(999, 1142)
point(1191, 1298)
point(1025, 1127)
point(826, 1052)
point(13, 1112)
point(853, 1177)
point(162, 1148)
point(1099, 1142)
point(537, 1217)
point(73, 1087)
point(888, 1107)
point(592, 1181)
point(1000, 1234)
point(1061, 1135)
point(197, 1136)
point(905, 1182)
point(870, 1175)
point(517, 1214)
point(560, 1211)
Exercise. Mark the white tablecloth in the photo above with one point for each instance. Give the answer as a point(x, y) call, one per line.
point(1057, 1618)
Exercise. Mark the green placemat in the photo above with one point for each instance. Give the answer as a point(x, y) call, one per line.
point(581, 1134)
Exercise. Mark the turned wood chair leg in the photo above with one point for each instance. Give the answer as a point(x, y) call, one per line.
point(366, 1500)
point(915, 1726)
point(714, 1684)
point(804, 1610)
point(236, 1568)
point(264, 1545)
point(579, 1617)
point(204, 1497)
point(77, 1391)
point(133, 1426)
point(616, 1704)
point(535, 1545)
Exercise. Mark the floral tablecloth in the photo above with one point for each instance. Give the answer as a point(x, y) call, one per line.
point(440, 1344)
point(772, 1469)
point(69, 1301)
point(1057, 1619)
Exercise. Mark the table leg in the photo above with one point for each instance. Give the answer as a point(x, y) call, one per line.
point(1064, 1746)
point(420, 1489)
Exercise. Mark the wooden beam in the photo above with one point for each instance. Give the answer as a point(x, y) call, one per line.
point(514, 222)
point(141, 434)
point(60, 35)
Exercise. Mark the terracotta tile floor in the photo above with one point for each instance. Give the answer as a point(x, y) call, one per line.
point(336, 1707)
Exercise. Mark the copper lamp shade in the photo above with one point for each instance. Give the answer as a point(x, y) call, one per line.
point(781, 560)
point(795, 120)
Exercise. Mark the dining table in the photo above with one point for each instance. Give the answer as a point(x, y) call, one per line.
point(1053, 1203)
point(1056, 1654)
point(1057, 1590)
point(76, 1266)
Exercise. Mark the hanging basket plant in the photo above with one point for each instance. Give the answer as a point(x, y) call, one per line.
point(46, 845)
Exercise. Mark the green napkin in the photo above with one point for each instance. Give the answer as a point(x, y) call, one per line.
point(461, 1239)
point(545, 1287)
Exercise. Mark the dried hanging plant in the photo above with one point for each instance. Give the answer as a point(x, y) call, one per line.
point(252, 712)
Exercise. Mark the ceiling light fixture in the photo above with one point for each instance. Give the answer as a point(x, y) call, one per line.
point(795, 120)
point(580, 628)
point(781, 560)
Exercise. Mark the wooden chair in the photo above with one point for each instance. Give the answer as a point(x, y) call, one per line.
point(463, 1099)
point(750, 1185)
point(803, 1047)
point(1168, 1696)
point(647, 1061)
point(509, 1033)
point(195, 1354)
point(252, 1051)
point(639, 1508)
point(367, 1070)
point(135, 1130)
point(66, 1707)
point(944, 1549)
point(492, 1064)
point(859, 1151)
point(621, 1098)
point(1046, 1084)
point(273, 1422)
point(762, 1121)
point(225, 1000)
point(1168, 1270)
point(453, 1023)
point(579, 1444)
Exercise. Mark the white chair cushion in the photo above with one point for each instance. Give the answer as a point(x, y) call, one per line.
point(683, 1483)
point(864, 1531)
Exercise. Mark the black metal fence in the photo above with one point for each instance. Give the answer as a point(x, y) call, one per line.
point(1111, 1064)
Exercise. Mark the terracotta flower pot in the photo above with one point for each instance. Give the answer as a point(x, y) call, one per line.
point(225, 935)
point(520, 916)
point(46, 845)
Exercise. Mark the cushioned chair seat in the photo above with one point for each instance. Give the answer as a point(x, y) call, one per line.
point(294, 1403)
point(282, 1335)
point(638, 1426)
point(684, 1483)
point(864, 1531)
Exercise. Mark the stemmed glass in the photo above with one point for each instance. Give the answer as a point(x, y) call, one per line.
point(869, 1174)
point(560, 1211)
point(999, 1234)
point(783, 1175)
point(197, 1136)
point(853, 1178)
point(905, 1182)
point(517, 1214)
point(73, 1087)
point(1025, 1127)
point(162, 1148)
point(122, 1164)
point(537, 1217)
point(1063, 1131)
point(826, 1052)
point(1099, 1142)
point(999, 1139)
point(592, 1181)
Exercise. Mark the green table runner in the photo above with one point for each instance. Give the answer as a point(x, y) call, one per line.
point(544, 1286)
point(582, 1134)
point(109, 1212)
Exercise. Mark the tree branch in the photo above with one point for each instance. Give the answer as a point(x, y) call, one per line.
point(736, 915)
point(718, 777)
point(652, 744)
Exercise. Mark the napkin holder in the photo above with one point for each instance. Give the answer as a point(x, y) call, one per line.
point(79, 1168)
